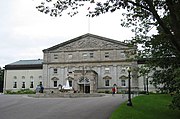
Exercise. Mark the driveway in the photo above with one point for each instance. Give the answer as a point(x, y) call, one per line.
point(23, 107)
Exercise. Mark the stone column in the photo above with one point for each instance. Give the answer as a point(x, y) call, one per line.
point(91, 86)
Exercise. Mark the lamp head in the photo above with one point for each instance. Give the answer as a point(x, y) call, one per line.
point(129, 69)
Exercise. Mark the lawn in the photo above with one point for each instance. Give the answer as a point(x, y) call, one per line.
point(153, 106)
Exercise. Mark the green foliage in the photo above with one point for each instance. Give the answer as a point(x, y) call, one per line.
point(153, 106)
point(22, 91)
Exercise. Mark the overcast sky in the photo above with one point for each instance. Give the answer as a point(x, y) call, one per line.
point(25, 32)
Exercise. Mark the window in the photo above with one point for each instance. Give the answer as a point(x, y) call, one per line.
point(15, 77)
point(123, 83)
point(91, 55)
point(122, 55)
point(84, 55)
point(55, 56)
point(70, 83)
point(15, 85)
point(55, 83)
point(23, 77)
point(106, 82)
point(106, 55)
point(107, 70)
point(32, 84)
point(23, 85)
point(55, 71)
point(69, 56)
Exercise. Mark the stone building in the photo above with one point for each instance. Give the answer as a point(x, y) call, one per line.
point(90, 63)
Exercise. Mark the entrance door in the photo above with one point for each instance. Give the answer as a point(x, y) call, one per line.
point(87, 89)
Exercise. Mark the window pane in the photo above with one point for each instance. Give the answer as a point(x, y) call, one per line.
point(32, 84)
point(69, 56)
point(55, 83)
point(55, 71)
point(84, 55)
point(107, 70)
point(123, 83)
point(23, 85)
point(91, 55)
point(55, 56)
point(106, 82)
point(70, 83)
point(106, 55)
point(15, 85)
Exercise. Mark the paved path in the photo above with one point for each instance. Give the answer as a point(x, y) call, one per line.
point(23, 107)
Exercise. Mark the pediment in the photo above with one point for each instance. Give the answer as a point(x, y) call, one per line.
point(107, 77)
point(88, 42)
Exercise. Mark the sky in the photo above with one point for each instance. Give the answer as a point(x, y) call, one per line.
point(25, 32)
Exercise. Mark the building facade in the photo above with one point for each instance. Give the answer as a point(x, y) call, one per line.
point(23, 74)
point(90, 63)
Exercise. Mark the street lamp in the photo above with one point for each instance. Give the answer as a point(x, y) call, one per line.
point(129, 103)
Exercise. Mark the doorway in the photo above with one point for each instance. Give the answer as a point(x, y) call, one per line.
point(86, 90)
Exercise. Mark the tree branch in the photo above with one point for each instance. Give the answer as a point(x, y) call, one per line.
point(165, 28)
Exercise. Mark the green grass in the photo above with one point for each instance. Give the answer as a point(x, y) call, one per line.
point(153, 106)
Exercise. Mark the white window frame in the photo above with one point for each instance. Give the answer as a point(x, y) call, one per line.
point(55, 56)
point(123, 83)
point(54, 84)
point(106, 54)
point(70, 56)
point(91, 55)
point(85, 55)
point(107, 70)
point(55, 70)
point(108, 82)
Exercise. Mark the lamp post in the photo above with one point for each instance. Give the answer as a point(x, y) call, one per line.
point(147, 91)
point(129, 103)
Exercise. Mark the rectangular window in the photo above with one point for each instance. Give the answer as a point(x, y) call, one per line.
point(23, 85)
point(15, 85)
point(70, 56)
point(32, 84)
point(91, 55)
point(106, 82)
point(70, 83)
point(55, 71)
point(55, 83)
point(107, 70)
point(55, 56)
point(106, 54)
point(123, 83)
point(84, 55)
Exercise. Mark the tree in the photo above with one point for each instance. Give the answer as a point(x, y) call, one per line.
point(163, 58)
point(1, 79)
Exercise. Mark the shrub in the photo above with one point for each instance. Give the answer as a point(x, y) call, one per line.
point(22, 91)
